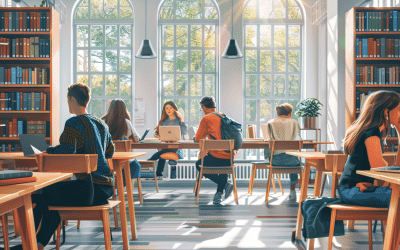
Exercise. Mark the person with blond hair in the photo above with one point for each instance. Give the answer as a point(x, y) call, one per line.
point(363, 145)
point(284, 128)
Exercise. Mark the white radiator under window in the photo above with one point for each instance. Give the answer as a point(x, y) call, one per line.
point(187, 171)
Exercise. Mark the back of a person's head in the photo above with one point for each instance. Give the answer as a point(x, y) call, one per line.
point(115, 119)
point(284, 109)
point(208, 102)
point(80, 92)
point(372, 115)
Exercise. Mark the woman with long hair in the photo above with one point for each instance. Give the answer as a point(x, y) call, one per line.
point(169, 117)
point(120, 127)
point(363, 145)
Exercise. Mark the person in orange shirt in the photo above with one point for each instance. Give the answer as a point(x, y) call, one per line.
point(210, 127)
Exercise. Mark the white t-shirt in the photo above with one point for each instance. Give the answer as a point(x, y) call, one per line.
point(132, 131)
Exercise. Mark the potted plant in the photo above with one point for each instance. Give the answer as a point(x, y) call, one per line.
point(309, 110)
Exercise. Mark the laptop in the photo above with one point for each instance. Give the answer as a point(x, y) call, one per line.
point(144, 135)
point(29, 140)
point(170, 133)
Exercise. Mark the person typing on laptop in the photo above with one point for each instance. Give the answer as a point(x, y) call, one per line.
point(120, 127)
point(83, 134)
point(169, 117)
point(210, 124)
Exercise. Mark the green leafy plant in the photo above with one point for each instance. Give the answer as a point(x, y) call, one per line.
point(309, 108)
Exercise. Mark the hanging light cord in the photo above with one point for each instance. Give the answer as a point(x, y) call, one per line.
point(232, 19)
point(145, 20)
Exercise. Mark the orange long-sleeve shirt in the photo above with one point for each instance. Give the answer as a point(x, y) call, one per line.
point(211, 125)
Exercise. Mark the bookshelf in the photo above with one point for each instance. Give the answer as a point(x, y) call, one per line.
point(44, 82)
point(372, 57)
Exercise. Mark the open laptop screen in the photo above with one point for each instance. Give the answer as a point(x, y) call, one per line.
point(38, 141)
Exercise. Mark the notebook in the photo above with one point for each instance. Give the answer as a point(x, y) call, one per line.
point(28, 140)
point(391, 169)
point(11, 174)
point(192, 132)
point(170, 133)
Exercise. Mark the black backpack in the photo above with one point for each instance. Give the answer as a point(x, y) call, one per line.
point(230, 129)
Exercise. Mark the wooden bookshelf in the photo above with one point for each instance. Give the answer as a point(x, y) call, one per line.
point(352, 62)
point(52, 62)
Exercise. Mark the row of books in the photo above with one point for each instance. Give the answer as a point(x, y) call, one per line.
point(377, 75)
point(361, 97)
point(24, 21)
point(37, 101)
point(25, 47)
point(382, 47)
point(16, 126)
point(392, 132)
point(10, 148)
point(19, 75)
point(377, 21)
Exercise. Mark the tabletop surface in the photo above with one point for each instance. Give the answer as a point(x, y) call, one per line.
point(43, 180)
point(126, 155)
point(380, 175)
point(308, 155)
point(14, 156)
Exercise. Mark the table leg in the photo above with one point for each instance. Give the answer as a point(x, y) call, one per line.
point(25, 214)
point(390, 235)
point(318, 178)
point(131, 204)
point(303, 195)
point(122, 208)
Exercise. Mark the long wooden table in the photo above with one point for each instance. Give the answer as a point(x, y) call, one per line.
point(393, 222)
point(120, 161)
point(18, 197)
point(190, 144)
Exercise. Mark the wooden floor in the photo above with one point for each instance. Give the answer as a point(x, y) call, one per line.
point(172, 220)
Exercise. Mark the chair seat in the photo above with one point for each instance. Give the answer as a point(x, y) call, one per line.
point(356, 208)
point(110, 204)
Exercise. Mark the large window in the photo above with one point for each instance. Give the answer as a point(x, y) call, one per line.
point(188, 55)
point(103, 51)
point(272, 56)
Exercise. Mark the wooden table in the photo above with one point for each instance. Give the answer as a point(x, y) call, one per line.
point(121, 161)
point(393, 220)
point(18, 197)
point(190, 144)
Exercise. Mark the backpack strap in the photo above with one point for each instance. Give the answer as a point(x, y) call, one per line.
point(215, 113)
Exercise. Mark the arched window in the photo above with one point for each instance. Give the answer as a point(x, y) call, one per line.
point(103, 46)
point(272, 56)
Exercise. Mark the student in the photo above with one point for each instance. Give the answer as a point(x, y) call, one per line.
point(284, 128)
point(83, 134)
point(169, 117)
point(210, 124)
point(120, 127)
point(363, 145)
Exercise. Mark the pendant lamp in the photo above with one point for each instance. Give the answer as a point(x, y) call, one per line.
point(232, 51)
point(146, 50)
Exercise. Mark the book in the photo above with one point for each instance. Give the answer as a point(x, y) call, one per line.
point(11, 174)
point(17, 180)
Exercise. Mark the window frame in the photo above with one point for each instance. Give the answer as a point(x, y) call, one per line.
point(89, 22)
point(272, 22)
point(188, 22)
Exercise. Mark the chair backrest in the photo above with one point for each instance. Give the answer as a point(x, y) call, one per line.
point(286, 145)
point(227, 145)
point(252, 131)
point(338, 161)
point(67, 163)
point(122, 145)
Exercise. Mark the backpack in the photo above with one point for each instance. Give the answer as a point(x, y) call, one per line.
point(230, 129)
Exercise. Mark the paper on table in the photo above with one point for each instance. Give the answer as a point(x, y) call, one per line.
point(35, 150)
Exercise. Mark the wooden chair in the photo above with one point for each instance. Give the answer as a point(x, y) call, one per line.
point(276, 145)
point(252, 131)
point(207, 145)
point(348, 212)
point(77, 163)
point(329, 160)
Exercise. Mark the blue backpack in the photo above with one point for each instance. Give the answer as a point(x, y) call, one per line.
point(230, 129)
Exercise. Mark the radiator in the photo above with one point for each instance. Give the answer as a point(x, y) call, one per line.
point(187, 171)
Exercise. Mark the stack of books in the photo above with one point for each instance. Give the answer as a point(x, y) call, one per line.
point(10, 177)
